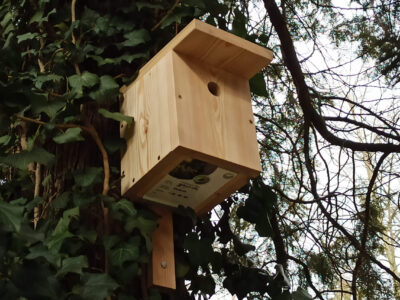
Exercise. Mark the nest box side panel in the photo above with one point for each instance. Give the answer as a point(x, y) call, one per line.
point(214, 113)
point(150, 99)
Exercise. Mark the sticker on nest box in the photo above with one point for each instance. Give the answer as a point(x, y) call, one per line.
point(190, 183)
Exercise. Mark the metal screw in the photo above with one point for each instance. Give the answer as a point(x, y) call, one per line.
point(164, 264)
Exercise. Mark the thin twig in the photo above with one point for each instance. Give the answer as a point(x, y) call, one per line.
point(93, 133)
point(166, 15)
point(36, 193)
point(73, 19)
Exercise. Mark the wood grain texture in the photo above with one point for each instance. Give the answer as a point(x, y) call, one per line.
point(163, 258)
point(222, 125)
point(217, 48)
point(151, 101)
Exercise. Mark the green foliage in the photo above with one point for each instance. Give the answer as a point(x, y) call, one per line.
point(11, 215)
point(258, 207)
point(115, 116)
point(301, 294)
point(95, 286)
point(23, 159)
point(70, 135)
point(257, 85)
point(73, 265)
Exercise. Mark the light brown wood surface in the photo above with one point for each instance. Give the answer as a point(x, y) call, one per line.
point(217, 48)
point(221, 126)
point(150, 100)
point(163, 258)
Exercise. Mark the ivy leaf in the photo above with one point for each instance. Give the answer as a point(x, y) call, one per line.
point(124, 206)
point(70, 135)
point(241, 248)
point(110, 241)
point(108, 89)
point(125, 252)
point(257, 85)
point(83, 198)
point(61, 201)
point(41, 79)
point(73, 265)
point(5, 139)
point(60, 233)
point(142, 4)
point(146, 224)
point(42, 251)
point(181, 267)
point(96, 286)
point(40, 103)
point(22, 160)
point(258, 207)
point(200, 251)
point(78, 82)
point(11, 215)
point(89, 79)
point(239, 24)
point(26, 36)
point(176, 16)
point(35, 281)
point(118, 60)
point(205, 284)
point(115, 116)
point(76, 85)
point(114, 144)
point(39, 18)
point(245, 280)
point(136, 37)
point(301, 294)
point(88, 176)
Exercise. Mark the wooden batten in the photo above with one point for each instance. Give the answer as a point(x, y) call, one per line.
point(162, 267)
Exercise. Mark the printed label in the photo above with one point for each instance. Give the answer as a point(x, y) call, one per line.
point(189, 184)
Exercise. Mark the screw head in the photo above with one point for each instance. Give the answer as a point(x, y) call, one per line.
point(164, 264)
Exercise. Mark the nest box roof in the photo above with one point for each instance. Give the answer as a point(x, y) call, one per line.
point(217, 48)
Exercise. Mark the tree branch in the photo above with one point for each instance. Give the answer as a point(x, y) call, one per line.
point(362, 125)
point(364, 235)
point(292, 63)
point(73, 19)
point(166, 15)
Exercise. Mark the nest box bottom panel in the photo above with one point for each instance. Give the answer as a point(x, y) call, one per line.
point(190, 183)
point(191, 179)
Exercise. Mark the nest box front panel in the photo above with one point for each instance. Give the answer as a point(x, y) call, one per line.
point(214, 113)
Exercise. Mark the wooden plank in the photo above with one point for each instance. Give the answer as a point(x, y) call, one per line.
point(218, 48)
point(150, 100)
point(163, 258)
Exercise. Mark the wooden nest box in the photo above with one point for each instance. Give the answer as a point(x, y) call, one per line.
point(194, 140)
